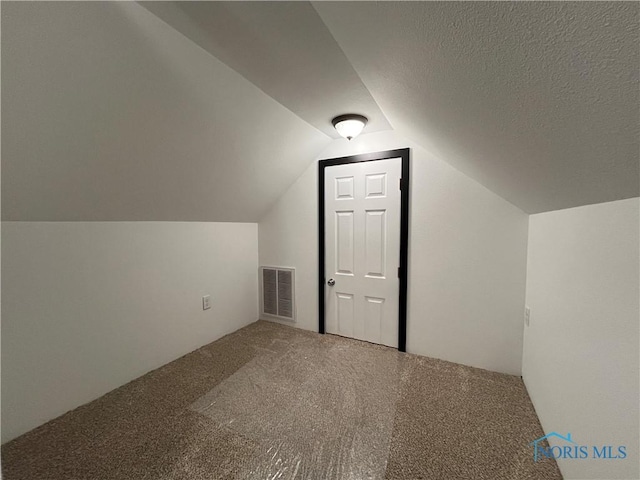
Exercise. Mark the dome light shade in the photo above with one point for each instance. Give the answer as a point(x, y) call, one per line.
point(349, 126)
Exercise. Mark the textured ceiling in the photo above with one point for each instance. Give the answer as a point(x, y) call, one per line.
point(285, 49)
point(206, 110)
point(538, 101)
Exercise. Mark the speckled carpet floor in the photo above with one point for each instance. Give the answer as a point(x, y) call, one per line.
point(274, 402)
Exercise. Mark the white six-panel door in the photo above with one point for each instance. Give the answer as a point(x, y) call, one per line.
point(362, 250)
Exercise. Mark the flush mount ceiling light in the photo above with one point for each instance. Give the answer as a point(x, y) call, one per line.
point(349, 126)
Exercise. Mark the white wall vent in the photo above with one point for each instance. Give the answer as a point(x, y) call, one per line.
point(277, 287)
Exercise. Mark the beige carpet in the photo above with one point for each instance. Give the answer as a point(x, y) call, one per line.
point(271, 401)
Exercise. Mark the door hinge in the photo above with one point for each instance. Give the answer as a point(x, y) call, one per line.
point(398, 272)
point(400, 184)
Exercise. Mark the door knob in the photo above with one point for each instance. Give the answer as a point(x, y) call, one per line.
point(331, 282)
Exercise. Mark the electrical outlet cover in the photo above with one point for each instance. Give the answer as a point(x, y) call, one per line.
point(206, 302)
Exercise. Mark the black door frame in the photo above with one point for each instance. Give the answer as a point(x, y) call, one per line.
point(402, 153)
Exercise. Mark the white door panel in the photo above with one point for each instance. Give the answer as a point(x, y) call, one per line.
point(362, 250)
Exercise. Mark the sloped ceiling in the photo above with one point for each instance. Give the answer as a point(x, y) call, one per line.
point(538, 101)
point(108, 113)
point(285, 49)
point(210, 110)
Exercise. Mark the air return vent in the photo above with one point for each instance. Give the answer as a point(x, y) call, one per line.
point(278, 289)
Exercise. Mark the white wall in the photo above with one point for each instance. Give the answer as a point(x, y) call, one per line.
point(580, 360)
point(90, 306)
point(467, 258)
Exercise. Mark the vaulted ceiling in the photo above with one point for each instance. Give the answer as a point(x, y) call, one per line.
point(285, 49)
point(210, 110)
point(108, 113)
point(538, 101)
